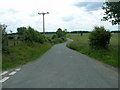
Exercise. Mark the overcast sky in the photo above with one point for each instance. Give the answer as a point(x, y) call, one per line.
point(72, 15)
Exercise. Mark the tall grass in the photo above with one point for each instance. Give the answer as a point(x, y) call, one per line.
point(81, 44)
point(49, 35)
point(23, 54)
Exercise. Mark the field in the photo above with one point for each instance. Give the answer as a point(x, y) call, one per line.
point(81, 44)
point(49, 35)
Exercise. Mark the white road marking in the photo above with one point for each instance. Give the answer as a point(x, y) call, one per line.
point(5, 72)
point(12, 73)
point(4, 79)
point(18, 69)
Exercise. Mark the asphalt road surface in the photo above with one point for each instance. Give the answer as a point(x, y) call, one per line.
point(62, 67)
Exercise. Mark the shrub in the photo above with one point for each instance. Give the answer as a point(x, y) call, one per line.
point(58, 40)
point(48, 40)
point(10, 37)
point(21, 30)
point(63, 38)
point(54, 36)
point(6, 49)
point(60, 33)
point(99, 38)
point(33, 36)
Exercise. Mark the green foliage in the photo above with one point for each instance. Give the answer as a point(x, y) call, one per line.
point(112, 12)
point(60, 33)
point(59, 40)
point(21, 30)
point(48, 39)
point(81, 44)
point(23, 54)
point(30, 35)
point(30, 44)
point(77, 32)
point(54, 36)
point(4, 37)
point(60, 36)
point(99, 38)
point(4, 33)
point(6, 49)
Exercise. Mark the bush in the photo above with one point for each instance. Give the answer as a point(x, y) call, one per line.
point(99, 38)
point(58, 40)
point(60, 33)
point(21, 30)
point(10, 37)
point(34, 36)
point(6, 49)
point(59, 37)
point(54, 36)
point(63, 38)
point(48, 40)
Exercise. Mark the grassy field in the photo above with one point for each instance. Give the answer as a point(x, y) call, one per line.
point(49, 35)
point(22, 54)
point(81, 44)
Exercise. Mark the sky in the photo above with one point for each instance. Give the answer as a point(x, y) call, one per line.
point(73, 15)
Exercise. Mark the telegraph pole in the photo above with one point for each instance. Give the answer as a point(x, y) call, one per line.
point(43, 20)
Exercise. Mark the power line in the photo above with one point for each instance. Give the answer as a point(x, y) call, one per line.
point(43, 20)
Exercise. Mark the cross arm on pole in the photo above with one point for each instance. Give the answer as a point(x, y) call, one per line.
point(43, 20)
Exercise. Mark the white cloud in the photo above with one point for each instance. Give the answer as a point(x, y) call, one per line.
point(63, 14)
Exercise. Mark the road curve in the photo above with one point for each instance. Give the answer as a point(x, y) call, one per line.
point(62, 67)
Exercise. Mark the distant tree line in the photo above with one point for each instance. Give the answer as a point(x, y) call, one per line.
point(115, 31)
point(79, 32)
point(48, 32)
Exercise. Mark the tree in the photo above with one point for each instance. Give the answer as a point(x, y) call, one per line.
point(4, 37)
point(60, 33)
point(30, 35)
point(112, 12)
point(21, 30)
point(99, 38)
point(11, 31)
point(4, 34)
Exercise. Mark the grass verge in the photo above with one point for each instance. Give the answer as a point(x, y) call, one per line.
point(81, 44)
point(23, 54)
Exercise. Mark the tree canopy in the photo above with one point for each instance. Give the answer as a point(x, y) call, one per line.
point(60, 33)
point(21, 30)
point(112, 12)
